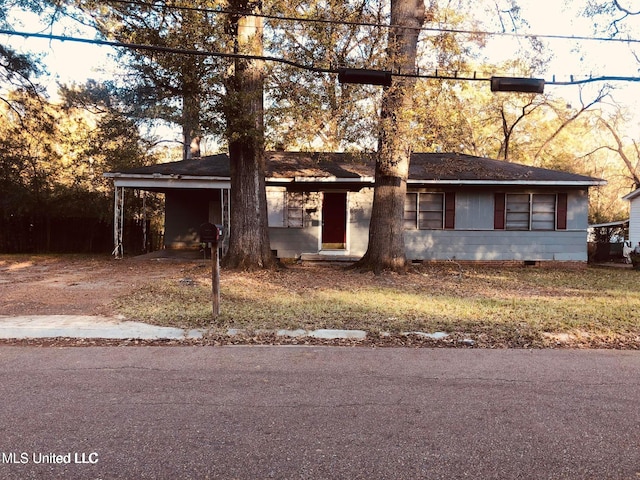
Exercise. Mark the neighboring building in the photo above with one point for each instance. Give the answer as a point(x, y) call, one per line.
point(607, 241)
point(457, 206)
point(634, 216)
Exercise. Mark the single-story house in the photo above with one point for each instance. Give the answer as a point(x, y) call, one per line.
point(458, 206)
point(634, 216)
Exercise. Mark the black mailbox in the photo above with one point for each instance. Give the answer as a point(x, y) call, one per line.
point(209, 233)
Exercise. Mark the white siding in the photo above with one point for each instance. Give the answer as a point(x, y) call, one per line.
point(634, 221)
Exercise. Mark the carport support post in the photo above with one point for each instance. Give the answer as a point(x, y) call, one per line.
point(215, 279)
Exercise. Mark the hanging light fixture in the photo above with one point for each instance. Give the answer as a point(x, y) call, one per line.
point(515, 84)
point(364, 76)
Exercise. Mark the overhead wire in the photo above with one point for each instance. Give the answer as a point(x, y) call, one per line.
point(330, 70)
point(377, 25)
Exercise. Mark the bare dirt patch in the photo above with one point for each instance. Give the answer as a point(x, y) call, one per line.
point(74, 285)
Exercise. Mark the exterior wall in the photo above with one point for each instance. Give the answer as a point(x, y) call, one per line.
point(474, 238)
point(634, 221)
point(293, 242)
point(578, 211)
point(498, 245)
point(358, 221)
point(185, 211)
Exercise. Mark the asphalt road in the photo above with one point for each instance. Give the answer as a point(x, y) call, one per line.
point(318, 412)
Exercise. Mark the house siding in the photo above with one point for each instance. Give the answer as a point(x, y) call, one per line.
point(293, 242)
point(496, 245)
point(473, 238)
point(185, 211)
point(634, 221)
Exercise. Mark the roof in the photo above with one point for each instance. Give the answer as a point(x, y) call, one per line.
point(619, 223)
point(425, 168)
point(632, 195)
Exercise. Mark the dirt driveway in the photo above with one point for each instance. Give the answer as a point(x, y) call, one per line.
point(73, 284)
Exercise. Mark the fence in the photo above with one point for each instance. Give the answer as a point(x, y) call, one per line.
point(72, 235)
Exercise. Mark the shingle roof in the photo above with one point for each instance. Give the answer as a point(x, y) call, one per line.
point(448, 167)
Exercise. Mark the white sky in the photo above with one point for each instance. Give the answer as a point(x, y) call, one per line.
point(74, 62)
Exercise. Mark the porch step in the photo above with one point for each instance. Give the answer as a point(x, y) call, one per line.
point(318, 258)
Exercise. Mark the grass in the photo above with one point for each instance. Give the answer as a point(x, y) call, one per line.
point(497, 303)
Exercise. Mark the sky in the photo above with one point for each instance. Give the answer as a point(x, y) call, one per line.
point(74, 62)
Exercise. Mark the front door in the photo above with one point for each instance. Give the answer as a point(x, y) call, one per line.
point(334, 221)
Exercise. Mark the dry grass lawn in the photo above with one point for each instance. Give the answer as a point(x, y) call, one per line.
point(509, 306)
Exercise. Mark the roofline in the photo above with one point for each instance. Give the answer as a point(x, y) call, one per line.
point(609, 224)
point(331, 179)
point(173, 176)
point(167, 181)
point(552, 183)
point(158, 179)
point(631, 195)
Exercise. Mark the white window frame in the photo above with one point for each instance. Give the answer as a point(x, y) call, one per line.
point(414, 218)
point(531, 212)
point(282, 210)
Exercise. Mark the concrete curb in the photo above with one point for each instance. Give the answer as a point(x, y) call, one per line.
point(90, 326)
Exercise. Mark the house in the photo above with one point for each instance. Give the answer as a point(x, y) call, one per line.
point(634, 216)
point(458, 206)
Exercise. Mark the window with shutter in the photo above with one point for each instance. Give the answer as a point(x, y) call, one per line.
point(427, 211)
point(562, 212)
point(498, 211)
point(529, 211)
point(450, 210)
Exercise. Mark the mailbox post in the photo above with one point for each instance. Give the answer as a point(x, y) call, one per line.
point(210, 235)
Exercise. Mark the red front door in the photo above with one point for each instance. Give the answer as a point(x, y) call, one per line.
point(334, 221)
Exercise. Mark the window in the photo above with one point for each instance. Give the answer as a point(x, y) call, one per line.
point(429, 211)
point(527, 211)
point(285, 209)
point(295, 209)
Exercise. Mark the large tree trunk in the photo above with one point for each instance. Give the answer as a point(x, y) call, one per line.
point(191, 116)
point(386, 230)
point(191, 72)
point(249, 246)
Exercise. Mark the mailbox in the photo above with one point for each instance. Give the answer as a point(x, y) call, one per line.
point(209, 233)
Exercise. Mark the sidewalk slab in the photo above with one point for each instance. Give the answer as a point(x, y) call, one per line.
point(86, 326)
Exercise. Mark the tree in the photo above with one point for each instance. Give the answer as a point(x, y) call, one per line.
point(386, 229)
point(180, 89)
point(206, 91)
point(17, 71)
point(629, 152)
point(311, 111)
point(249, 246)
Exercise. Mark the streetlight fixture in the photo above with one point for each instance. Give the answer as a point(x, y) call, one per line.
point(364, 76)
point(515, 84)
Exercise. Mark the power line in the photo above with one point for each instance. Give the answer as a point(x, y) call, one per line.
point(159, 48)
point(205, 53)
point(380, 25)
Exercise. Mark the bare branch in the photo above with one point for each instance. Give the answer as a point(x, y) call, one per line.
point(620, 151)
point(602, 94)
point(625, 10)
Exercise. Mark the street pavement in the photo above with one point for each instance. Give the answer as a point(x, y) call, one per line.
point(254, 412)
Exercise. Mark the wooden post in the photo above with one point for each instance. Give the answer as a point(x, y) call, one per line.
point(215, 280)
point(210, 235)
